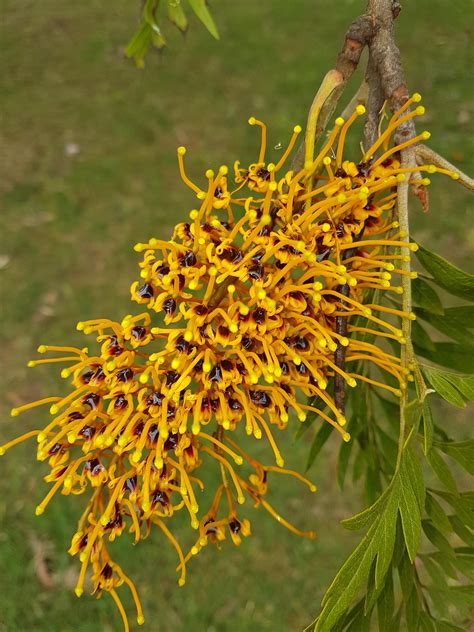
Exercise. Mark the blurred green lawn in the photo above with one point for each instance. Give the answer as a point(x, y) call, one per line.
point(89, 168)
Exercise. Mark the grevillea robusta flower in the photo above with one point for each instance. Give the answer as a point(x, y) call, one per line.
point(239, 334)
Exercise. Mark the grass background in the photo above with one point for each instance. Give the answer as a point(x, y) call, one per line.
point(69, 221)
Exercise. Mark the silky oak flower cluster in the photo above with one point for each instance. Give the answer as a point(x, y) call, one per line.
point(239, 335)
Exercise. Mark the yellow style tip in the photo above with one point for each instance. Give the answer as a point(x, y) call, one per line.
point(252, 120)
point(79, 592)
point(313, 488)
point(31, 364)
point(14, 412)
point(182, 581)
point(339, 121)
point(54, 409)
point(360, 109)
point(425, 135)
point(39, 510)
point(140, 620)
point(416, 97)
point(41, 349)
point(346, 437)
point(136, 456)
point(2, 451)
point(297, 129)
point(181, 151)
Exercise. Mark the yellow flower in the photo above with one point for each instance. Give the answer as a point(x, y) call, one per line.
point(240, 331)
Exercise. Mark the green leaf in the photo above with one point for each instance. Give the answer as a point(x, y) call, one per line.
point(437, 514)
point(425, 296)
point(389, 448)
point(420, 336)
point(386, 537)
point(461, 503)
point(410, 515)
point(444, 325)
point(442, 471)
point(425, 622)
point(444, 387)
point(460, 451)
point(361, 622)
point(446, 626)
point(413, 412)
point(372, 591)
point(348, 619)
point(465, 564)
point(377, 543)
point(177, 15)
point(438, 577)
point(343, 461)
point(428, 428)
point(449, 354)
point(149, 16)
point(319, 440)
point(406, 573)
point(368, 516)
point(411, 471)
point(446, 275)
point(412, 611)
point(139, 44)
point(437, 539)
point(445, 563)
point(386, 603)
point(461, 530)
point(395, 623)
point(202, 12)
point(463, 316)
point(462, 597)
point(462, 382)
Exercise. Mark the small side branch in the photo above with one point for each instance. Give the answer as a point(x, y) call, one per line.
point(425, 155)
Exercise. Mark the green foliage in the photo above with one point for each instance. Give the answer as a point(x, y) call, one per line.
point(446, 275)
point(150, 32)
point(412, 568)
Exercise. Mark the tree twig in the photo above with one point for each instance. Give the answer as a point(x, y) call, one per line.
point(426, 155)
